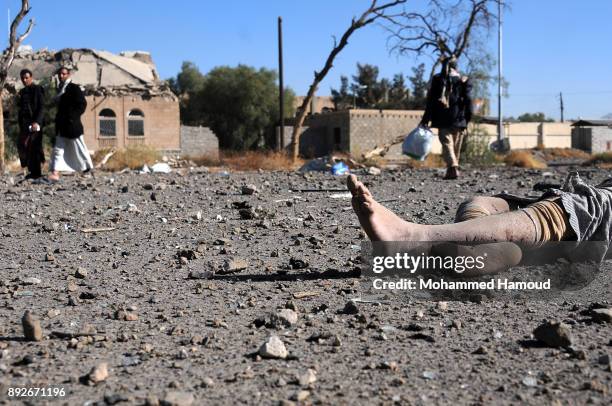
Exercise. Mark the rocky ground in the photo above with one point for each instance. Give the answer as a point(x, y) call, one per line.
point(164, 288)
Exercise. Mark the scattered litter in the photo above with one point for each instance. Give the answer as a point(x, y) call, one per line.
point(161, 167)
point(340, 168)
point(144, 169)
point(301, 295)
point(97, 230)
point(346, 195)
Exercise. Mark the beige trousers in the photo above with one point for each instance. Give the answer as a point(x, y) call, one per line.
point(451, 140)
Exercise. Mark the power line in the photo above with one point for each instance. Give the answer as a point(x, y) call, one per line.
point(556, 94)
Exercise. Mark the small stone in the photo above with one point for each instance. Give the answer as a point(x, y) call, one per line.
point(350, 307)
point(481, 351)
point(442, 306)
point(234, 265)
point(49, 257)
point(249, 189)
point(296, 263)
point(554, 334)
point(178, 398)
point(287, 316)
point(125, 316)
point(602, 315)
point(200, 275)
point(372, 170)
point(273, 347)
point(308, 377)
point(81, 273)
point(31, 327)
point(30, 281)
point(183, 261)
point(98, 374)
point(530, 381)
point(301, 395)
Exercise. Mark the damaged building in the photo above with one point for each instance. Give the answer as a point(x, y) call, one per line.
point(127, 103)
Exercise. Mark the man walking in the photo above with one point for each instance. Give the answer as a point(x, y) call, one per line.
point(30, 117)
point(449, 108)
point(69, 149)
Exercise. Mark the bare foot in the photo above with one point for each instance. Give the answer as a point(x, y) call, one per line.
point(379, 223)
point(53, 176)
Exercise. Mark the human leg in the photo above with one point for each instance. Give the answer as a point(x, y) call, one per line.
point(380, 224)
point(57, 156)
point(446, 137)
point(480, 206)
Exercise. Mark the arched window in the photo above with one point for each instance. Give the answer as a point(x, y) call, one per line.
point(136, 123)
point(107, 123)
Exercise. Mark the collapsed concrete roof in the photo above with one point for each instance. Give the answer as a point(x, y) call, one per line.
point(99, 72)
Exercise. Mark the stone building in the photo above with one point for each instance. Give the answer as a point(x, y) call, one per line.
point(355, 131)
point(592, 136)
point(127, 103)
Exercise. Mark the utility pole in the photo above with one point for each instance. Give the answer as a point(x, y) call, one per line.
point(281, 98)
point(561, 104)
point(500, 124)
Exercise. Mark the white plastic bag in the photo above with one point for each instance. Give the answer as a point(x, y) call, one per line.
point(417, 143)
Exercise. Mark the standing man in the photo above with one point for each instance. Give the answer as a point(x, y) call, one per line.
point(449, 108)
point(30, 117)
point(69, 149)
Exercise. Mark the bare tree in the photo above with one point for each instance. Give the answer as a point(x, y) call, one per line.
point(6, 60)
point(448, 27)
point(373, 13)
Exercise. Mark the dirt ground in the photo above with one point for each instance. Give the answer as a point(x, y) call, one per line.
point(137, 296)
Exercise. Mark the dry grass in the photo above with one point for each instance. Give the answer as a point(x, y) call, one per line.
point(523, 159)
point(431, 161)
point(133, 157)
point(603, 160)
point(254, 160)
point(550, 154)
point(203, 160)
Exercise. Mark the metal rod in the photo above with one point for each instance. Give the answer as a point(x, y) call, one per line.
point(281, 97)
point(500, 124)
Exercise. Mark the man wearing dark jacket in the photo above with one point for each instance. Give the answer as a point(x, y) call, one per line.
point(449, 108)
point(30, 117)
point(69, 152)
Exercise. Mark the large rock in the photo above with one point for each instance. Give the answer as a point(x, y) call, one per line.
point(554, 334)
point(98, 374)
point(31, 327)
point(273, 347)
point(602, 315)
point(178, 398)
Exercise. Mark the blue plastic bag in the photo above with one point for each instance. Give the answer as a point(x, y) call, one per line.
point(340, 168)
point(417, 143)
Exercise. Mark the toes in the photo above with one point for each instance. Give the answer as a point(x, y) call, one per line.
point(351, 184)
point(362, 190)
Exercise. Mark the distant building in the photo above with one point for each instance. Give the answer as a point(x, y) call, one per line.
point(127, 103)
point(318, 104)
point(355, 131)
point(592, 136)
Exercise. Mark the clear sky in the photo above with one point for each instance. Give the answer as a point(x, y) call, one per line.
point(550, 46)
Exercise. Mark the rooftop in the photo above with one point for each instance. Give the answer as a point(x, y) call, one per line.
point(98, 72)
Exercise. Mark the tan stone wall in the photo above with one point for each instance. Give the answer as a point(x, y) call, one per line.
point(369, 128)
point(557, 135)
point(161, 122)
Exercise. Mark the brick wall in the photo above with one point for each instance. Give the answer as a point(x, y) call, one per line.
point(199, 141)
point(161, 122)
point(601, 139)
point(369, 128)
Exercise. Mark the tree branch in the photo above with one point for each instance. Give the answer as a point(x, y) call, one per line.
point(367, 17)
